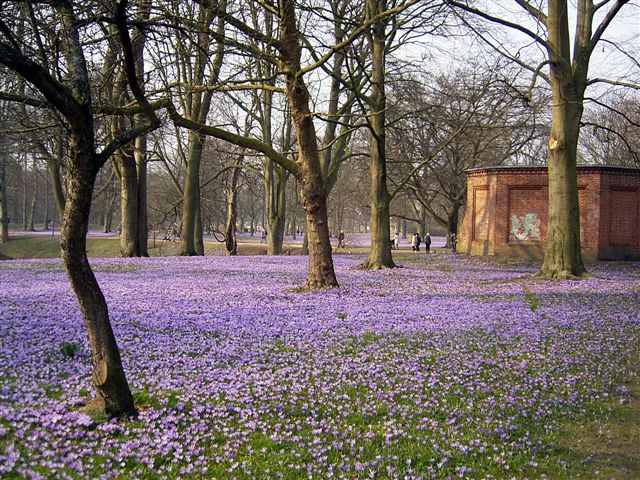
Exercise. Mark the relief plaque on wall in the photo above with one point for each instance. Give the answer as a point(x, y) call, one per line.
point(525, 227)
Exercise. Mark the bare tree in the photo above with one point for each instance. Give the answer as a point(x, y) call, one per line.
point(568, 76)
point(612, 131)
point(4, 217)
point(69, 92)
point(442, 126)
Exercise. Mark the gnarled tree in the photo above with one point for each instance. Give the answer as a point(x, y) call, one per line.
point(70, 95)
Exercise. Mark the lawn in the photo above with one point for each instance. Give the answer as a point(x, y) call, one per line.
point(450, 367)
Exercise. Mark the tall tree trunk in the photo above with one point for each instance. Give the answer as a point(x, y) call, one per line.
point(34, 199)
point(276, 199)
point(113, 392)
point(25, 219)
point(197, 109)
point(563, 255)
point(305, 241)
point(110, 204)
point(423, 222)
point(380, 255)
point(453, 219)
point(198, 237)
point(312, 194)
point(4, 219)
point(142, 230)
point(129, 246)
point(47, 208)
point(231, 243)
point(56, 186)
point(191, 197)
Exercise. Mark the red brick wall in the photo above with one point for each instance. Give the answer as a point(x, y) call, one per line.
point(620, 223)
point(621, 228)
point(514, 202)
point(481, 209)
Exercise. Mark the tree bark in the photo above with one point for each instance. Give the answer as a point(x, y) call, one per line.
point(109, 209)
point(380, 254)
point(198, 238)
point(4, 219)
point(142, 226)
point(312, 189)
point(231, 243)
point(34, 199)
point(72, 98)
point(56, 185)
point(129, 246)
point(198, 104)
point(276, 204)
point(563, 255)
point(191, 198)
point(113, 392)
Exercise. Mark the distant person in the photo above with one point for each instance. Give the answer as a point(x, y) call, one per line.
point(263, 237)
point(396, 241)
point(340, 239)
point(418, 240)
point(427, 242)
point(119, 229)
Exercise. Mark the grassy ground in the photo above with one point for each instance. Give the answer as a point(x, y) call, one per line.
point(604, 442)
point(601, 441)
point(26, 246)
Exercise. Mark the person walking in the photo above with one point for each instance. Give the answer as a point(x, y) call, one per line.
point(427, 242)
point(418, 240)
point(396, 241)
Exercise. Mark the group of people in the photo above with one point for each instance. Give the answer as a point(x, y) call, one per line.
point(416, 240)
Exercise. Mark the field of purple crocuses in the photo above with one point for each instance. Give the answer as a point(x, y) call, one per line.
point(450, 367)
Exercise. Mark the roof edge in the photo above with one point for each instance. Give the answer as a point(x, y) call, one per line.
point(543, 168)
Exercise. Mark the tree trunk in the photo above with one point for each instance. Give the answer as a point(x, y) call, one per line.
point(142, 230)
point(25, 219)
point(109, 209)
point(191, 195)
point(232, 212)
point(454, 218)
point(380, 255)
point(56, 186)
point(321, 272)
point(231, 243)
point(563, 255)
point(423, 222)
point(276, 197)
point(113, 393)
point(34, 199)
point(305, 241)
point(46, 204)
point(4, 219)
point(129, 246)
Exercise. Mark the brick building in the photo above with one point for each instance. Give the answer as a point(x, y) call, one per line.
point(506, 213)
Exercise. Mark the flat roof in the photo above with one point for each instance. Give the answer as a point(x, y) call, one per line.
point(511, 168)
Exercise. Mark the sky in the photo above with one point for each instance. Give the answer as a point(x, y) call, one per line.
point(606, 61)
